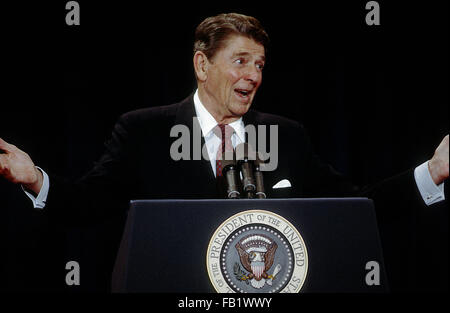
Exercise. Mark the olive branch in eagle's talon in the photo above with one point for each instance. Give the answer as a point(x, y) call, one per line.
point(240, 274)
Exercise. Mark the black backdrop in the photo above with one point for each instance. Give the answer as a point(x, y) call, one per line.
point(374, 99)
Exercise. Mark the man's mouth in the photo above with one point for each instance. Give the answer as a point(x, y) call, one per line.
point(243, 93)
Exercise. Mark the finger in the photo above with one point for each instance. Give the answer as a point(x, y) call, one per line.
point(5, 146)
point(2, 162)
point(444, 143)
point(4, 168)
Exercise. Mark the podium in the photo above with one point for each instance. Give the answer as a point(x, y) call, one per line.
point(271, 245)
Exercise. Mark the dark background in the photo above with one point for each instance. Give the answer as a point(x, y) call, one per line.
point(374, 100)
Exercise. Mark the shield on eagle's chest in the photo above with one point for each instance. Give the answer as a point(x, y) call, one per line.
point(256, 254)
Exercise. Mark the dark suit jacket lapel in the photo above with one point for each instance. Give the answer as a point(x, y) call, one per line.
point(199, 170)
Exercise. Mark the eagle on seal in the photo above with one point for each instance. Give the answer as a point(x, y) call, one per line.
point(256, 253)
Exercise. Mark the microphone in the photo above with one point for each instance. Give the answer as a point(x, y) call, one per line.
point(244, 156)
point(260, 193)
point(230, 173)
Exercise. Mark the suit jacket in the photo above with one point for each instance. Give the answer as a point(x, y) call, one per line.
point(137, 164)
point(137, 161)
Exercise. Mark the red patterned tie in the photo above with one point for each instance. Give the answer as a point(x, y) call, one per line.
point(224, 132)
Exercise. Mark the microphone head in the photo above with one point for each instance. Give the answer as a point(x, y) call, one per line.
point(230, 172)
point(261, 161)
point(245, 152)
point(228, 160)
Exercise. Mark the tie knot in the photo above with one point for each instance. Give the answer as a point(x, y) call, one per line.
point(224, 132)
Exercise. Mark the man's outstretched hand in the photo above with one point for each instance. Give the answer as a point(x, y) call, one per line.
point(17, 167)
point(438, 165)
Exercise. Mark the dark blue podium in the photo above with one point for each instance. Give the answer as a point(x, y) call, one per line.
point(166, 245)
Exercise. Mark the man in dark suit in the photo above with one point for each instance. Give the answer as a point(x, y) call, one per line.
point(139, 163)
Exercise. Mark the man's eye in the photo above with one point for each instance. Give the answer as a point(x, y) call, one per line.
point(240, 61)
point(260, 66)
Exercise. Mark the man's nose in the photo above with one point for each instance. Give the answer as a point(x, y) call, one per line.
point(253, 75)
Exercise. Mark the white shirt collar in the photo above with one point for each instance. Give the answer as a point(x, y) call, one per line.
point(207, 121)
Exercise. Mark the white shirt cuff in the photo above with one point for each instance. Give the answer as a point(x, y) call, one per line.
point(430, 192)
point(40, 200)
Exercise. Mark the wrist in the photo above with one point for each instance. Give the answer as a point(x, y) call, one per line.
point(36, 185)
point(433, 168)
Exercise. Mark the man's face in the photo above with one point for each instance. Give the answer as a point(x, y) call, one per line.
point(233, 76)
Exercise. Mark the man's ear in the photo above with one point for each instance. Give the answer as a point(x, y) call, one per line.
point(201, 65)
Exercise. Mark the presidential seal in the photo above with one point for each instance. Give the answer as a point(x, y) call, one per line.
point(257, 251)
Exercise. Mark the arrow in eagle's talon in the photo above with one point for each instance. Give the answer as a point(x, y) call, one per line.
point(275, 272)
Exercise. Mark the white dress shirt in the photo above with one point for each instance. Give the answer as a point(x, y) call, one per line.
point(208, 123)
point(430, 192)
point(39, 201)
